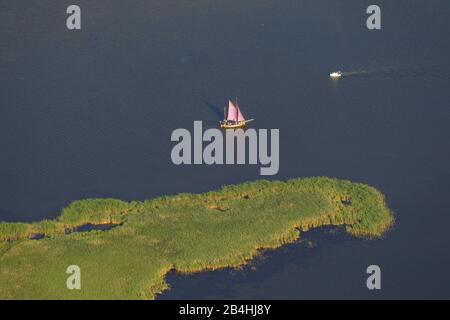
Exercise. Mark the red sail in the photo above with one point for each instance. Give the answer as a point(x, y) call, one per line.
point(232, 112)
point(240, 116)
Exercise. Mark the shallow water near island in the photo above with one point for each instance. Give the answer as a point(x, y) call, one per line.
point(248, 280)
point(94, 227)
point(89, 114)
point(83, 228)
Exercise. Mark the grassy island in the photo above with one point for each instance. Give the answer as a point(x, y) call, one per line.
point(185, 232)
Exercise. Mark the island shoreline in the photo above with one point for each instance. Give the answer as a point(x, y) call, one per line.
point(187, 233)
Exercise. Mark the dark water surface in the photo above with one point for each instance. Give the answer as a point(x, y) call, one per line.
point(90, 113)
point(83, 228)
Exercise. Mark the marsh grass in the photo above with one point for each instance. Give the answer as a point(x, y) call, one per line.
point(185, 232)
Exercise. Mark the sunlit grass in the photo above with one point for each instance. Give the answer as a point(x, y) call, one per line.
point(186, 232)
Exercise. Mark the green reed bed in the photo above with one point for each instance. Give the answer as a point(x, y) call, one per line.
point(185, 232)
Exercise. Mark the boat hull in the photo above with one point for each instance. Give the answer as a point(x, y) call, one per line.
point(235, 125)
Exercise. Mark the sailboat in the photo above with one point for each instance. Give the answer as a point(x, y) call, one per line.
point(234, 118)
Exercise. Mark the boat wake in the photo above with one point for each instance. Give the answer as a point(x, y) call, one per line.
point(426, 71)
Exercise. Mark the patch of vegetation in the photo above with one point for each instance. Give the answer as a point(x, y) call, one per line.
point(186, 232)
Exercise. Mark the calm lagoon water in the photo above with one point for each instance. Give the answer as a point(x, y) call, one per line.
point(90, 113)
